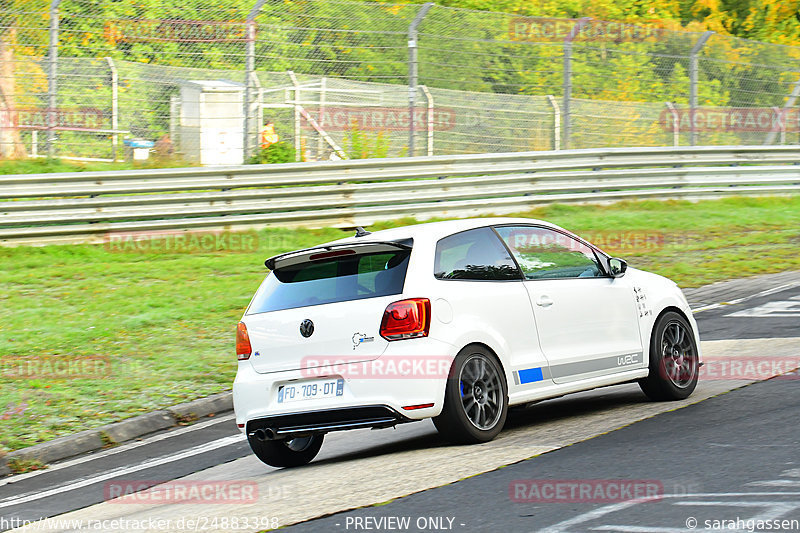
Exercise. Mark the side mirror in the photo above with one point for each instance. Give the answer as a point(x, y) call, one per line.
point(617, 267)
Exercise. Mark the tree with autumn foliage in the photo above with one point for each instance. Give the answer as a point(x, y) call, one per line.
point(16, 40)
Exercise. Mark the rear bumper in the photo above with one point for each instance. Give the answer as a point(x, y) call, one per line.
point(305, 423)
point(367, 400)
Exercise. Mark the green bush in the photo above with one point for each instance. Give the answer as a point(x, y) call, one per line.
point(363, 146)
point(280, 152)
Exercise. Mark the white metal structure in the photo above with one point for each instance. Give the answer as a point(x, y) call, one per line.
point(210, 119)
point(453, 320)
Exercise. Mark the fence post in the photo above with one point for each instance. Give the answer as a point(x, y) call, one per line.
point(568, 76)
point(676, 131)
point(52, 81)
point(429, 116)
point(413, 72)
point(323, 86)
point(780, 121)
point(693, 82)
point(298, 156)
point(786, 107)
point(249, 72)
point(556, 122)
point(114, 107)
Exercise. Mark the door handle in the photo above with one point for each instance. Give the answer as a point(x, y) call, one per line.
point(544, 301)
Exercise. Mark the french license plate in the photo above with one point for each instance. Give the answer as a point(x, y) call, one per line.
point(310, 390)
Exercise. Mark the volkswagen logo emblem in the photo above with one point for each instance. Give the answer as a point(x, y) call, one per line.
point(306, 328)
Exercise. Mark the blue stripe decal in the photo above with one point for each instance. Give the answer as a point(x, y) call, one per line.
point(529, 375)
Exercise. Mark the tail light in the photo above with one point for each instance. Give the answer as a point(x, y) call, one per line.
point(243, 349)
point(406, 319)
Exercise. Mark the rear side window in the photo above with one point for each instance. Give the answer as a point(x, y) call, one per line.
point(340, 279)
point(474, 254)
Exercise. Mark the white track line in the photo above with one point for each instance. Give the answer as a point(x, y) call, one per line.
point(85, 482)
point(745, 298)
point(119, 449)
point(602, 511)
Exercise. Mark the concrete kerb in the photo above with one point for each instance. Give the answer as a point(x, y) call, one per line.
point(118, 432)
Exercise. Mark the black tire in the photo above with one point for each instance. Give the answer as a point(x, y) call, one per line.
point(478, 415)
point(674, 360)
point(286, 453)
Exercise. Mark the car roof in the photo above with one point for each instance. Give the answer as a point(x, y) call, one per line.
point(437, 230)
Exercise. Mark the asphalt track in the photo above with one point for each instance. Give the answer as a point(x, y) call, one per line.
point(726, 462)
point(772, 316)
point(719, 446)
point(732, 456)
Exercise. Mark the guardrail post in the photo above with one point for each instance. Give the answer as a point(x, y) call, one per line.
point(249, 72)
point(114, 107)
point(568, 76)
point(413, 72)
point(676, 128)
point(693, 82)
point(556, 122)
point(52, 79)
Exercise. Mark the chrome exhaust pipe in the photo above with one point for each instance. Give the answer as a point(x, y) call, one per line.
point(264, 434)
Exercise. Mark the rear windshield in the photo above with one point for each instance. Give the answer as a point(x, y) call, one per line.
point(340, 279)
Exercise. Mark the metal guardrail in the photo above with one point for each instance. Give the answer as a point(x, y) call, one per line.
point(88, 206)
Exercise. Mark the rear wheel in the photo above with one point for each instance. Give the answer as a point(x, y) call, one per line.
point(475, 400)
point(674, 361)
point(287, 452)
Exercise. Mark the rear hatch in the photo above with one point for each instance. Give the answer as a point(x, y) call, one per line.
point(324, 305)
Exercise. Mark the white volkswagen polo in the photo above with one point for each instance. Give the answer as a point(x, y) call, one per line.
point(454, 321)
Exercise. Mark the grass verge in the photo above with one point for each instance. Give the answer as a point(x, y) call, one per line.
point(46, 165)
point(164, 321)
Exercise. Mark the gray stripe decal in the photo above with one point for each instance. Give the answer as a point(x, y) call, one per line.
point(604, 363)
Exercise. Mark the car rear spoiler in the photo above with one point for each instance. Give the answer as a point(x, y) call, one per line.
point(334, 250)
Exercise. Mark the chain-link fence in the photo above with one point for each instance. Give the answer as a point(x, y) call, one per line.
point(199, 80)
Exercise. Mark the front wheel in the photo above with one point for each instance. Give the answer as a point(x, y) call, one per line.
point(475, 400)
point(286, 453)
point(674, 361)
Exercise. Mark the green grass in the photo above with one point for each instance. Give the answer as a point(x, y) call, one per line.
point(166, 321)
point(45, 165)
point(23, 466)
